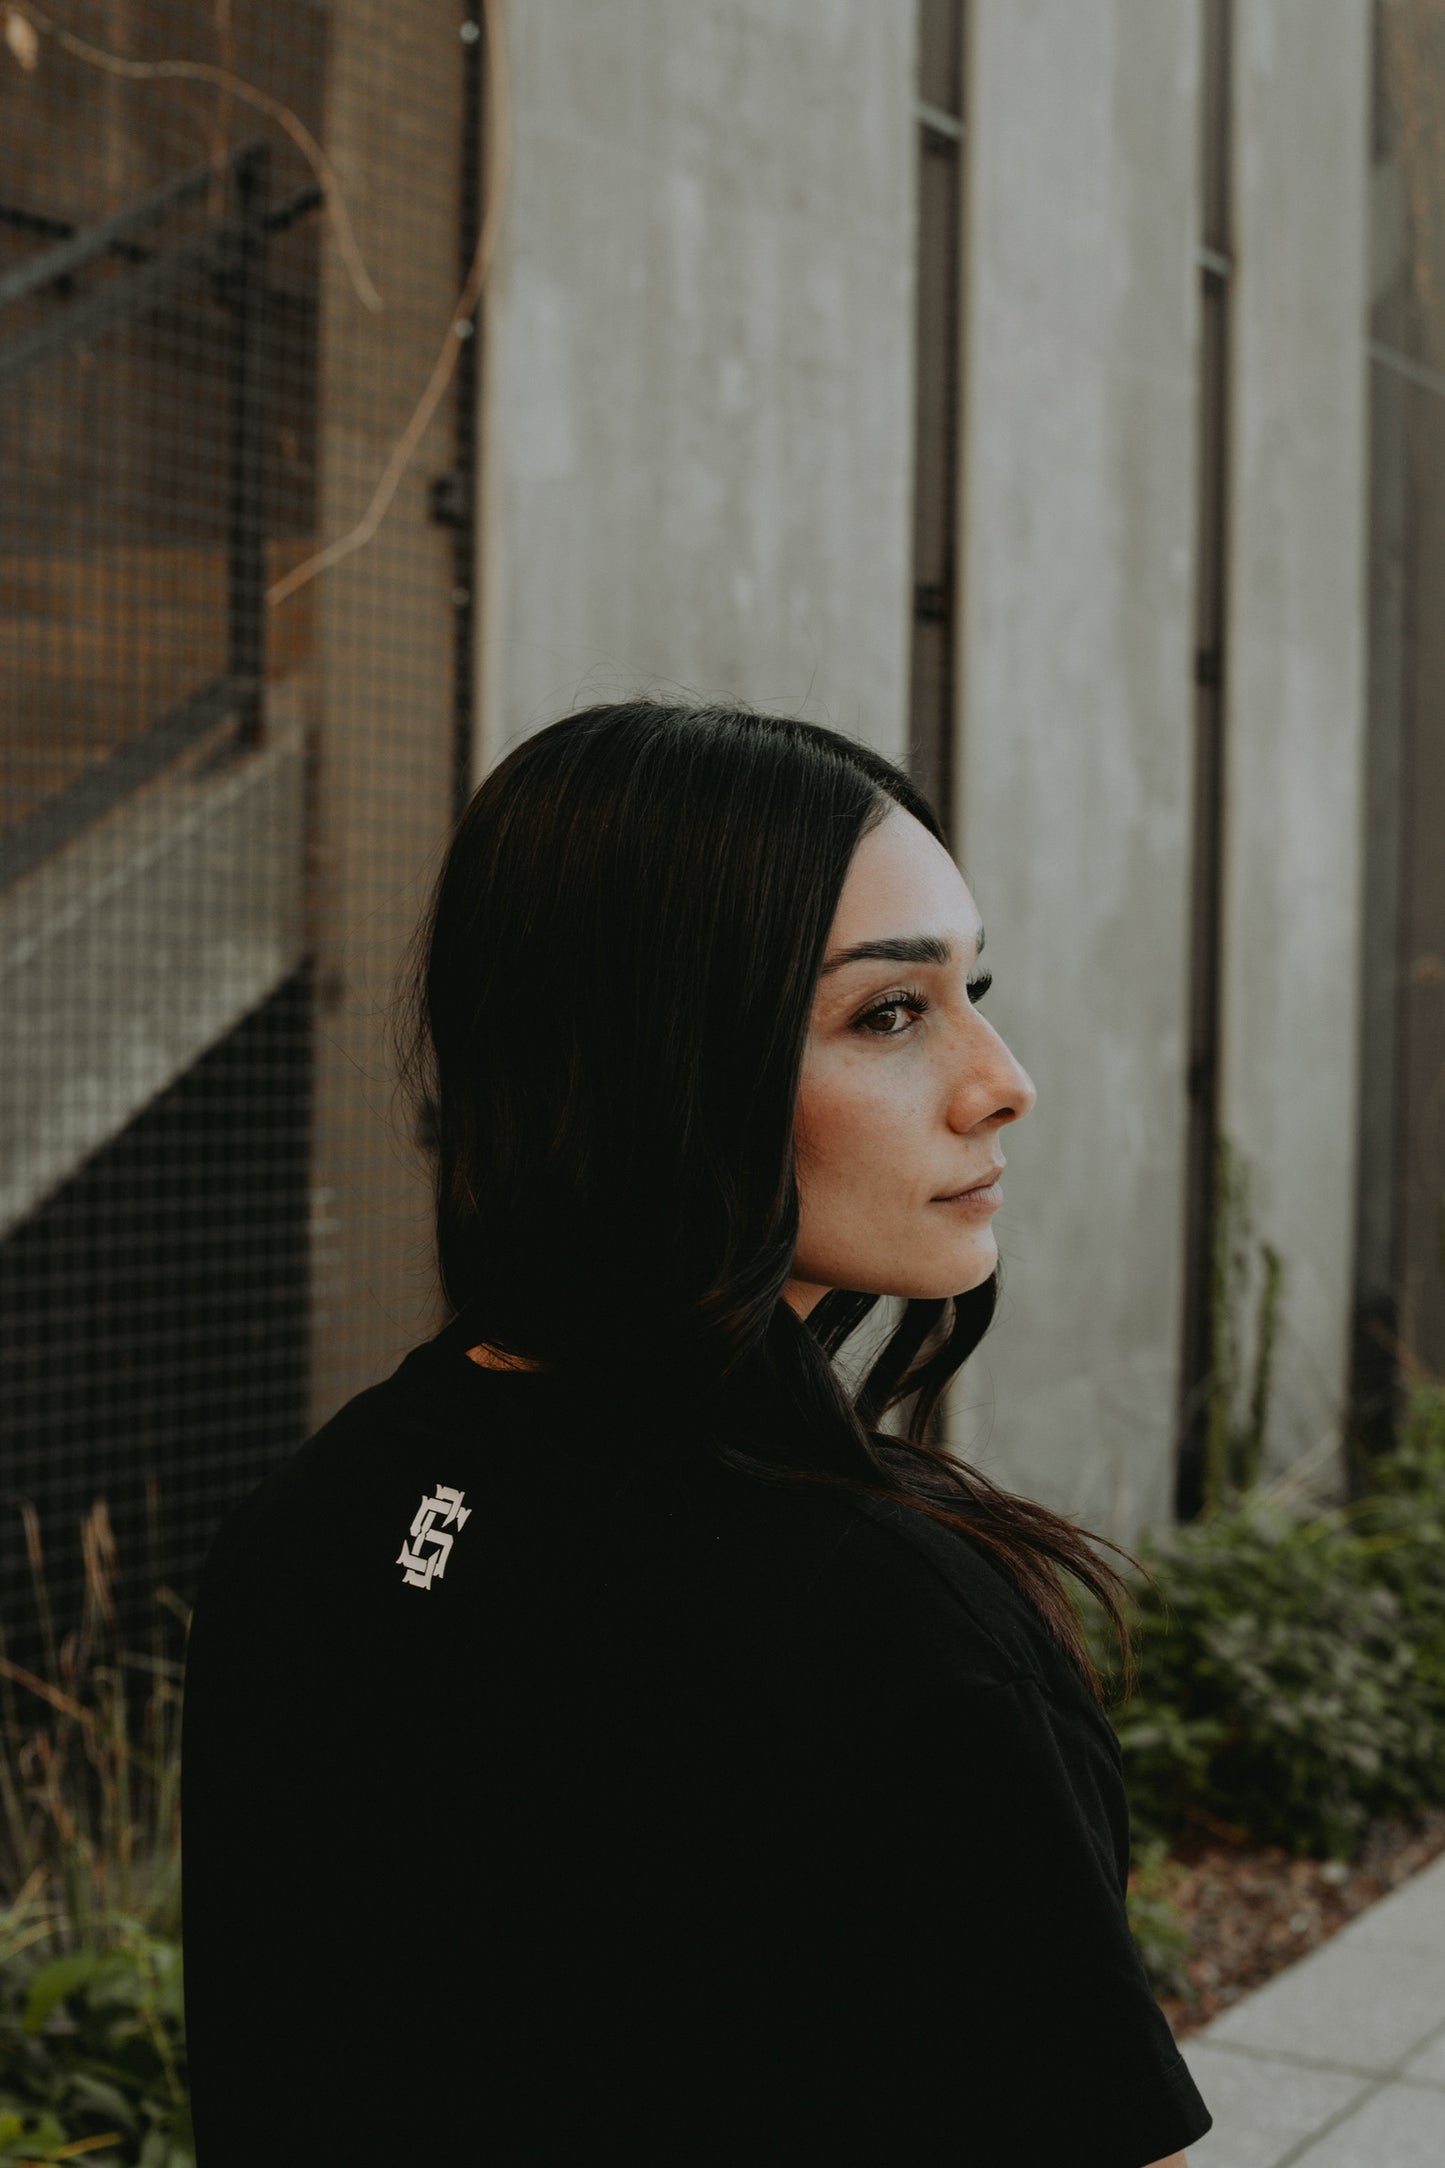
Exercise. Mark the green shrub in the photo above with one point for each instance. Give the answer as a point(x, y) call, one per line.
point(1292, 1668)
point(92, 2049)
point(90, 2046)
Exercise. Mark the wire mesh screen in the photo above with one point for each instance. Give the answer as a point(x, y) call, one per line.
point(235, 601)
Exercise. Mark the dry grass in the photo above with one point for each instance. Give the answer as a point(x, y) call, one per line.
point(90, 1781)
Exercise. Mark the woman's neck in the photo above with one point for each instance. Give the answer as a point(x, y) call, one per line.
point(491, 1358)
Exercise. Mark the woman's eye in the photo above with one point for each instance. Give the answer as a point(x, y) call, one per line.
point(909, 998)
point(886, 1010)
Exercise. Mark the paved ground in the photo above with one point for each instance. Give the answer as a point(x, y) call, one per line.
point(1338, 2062)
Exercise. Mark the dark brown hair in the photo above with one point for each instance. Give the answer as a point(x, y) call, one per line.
point(606, 1023)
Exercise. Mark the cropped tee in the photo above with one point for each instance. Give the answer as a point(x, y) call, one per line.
point(544, 1802)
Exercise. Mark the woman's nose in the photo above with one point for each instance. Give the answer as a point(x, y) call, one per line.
point(989, 1071)
point(1009, 1081)
point(1024, 1093)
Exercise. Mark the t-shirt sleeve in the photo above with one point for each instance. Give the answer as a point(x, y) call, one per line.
point(967, 1977)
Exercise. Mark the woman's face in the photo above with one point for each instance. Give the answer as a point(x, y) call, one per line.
point(906, 1086)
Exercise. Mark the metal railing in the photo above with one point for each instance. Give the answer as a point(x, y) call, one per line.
point(230, 257)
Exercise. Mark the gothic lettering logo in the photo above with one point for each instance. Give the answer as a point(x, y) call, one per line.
point(426, 1559)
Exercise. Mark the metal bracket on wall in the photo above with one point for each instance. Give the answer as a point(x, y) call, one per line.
point(449, 498)
point(937, 122)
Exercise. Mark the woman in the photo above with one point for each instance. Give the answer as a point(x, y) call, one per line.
point(602, 1738)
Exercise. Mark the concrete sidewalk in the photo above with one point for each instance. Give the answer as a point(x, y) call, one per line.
point(1338, 2062)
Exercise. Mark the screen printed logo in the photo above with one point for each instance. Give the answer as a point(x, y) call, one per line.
point(434, 1516)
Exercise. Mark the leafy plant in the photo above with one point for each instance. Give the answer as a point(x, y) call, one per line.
point(92, 2037)
point(1292, 1666)
point(91, 2008)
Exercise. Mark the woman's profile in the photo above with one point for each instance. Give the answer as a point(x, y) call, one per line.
point(603, 1738)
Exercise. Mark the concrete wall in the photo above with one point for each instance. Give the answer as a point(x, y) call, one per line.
point(1295, 671)
point(1077, 708)
point(697, 472)
point(1075, 769)
point(698, 362)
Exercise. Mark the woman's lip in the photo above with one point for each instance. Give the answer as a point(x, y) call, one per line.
point(989, 1192)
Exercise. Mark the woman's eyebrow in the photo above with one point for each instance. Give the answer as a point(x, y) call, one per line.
point(912, 948)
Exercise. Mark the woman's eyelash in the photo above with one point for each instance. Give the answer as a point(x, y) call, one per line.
point(910, 997)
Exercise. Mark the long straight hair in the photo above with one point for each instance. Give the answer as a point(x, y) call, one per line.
point(604, 1026)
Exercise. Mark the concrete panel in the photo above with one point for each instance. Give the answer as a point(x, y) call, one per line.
point(1075, 776)
point(127, 954)
point(1403, 2125)
point(1412, 1916)
point(1353, 2004)
point(1428, 2067)
point(1337, 2061)
point(1295, 664)
point(699, 362)
point(1263, 2105)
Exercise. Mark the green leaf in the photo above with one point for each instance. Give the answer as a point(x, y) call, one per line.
point(91, 2094)
point(54, 1982)
point(42, 2139)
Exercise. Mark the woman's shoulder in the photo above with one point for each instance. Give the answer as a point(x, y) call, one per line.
point(824, 1601)
point(854, 1602)
point(957, 1581)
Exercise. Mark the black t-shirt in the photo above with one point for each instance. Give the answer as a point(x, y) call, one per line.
point(545, 1802)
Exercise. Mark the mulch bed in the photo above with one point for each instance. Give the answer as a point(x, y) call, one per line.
point(1252, 1910)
